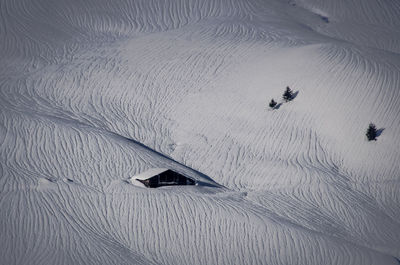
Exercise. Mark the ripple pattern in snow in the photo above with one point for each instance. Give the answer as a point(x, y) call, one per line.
point(94, 92)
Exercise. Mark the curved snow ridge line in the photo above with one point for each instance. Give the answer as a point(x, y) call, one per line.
point(359, 213)
point(161, 231)
point(327, 224)
point(77, 127)
point(154, 215)
point(162, 256)
point(211, 214)
point(349, 226)
point(43, 214)
point(26, 36)
point(71, 23)
point(341, 181)
point(339, 198)
point(54, 90)
point(300, 153)
point(207, 178)
point(378, 98)
point(243, 32)
point(31, 27)
point(372, 12)
point(381, 71)
point(375, 38)
point(136, 222)
point(371, 24)
point(389, 169)
point(376, 93)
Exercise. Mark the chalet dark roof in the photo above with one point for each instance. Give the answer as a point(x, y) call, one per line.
point(157, 177)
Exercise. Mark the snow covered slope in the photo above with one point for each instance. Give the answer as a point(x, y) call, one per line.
point(95, 92)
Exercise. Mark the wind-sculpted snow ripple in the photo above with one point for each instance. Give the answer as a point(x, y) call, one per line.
point(52, 30)
point(94, 92)
point(311, 154)
point(96, 217)
point(365, 23)
point(123, 224)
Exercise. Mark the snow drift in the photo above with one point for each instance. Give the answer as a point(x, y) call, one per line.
point(95, 92)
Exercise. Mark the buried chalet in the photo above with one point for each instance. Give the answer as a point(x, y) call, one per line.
point(158, 177)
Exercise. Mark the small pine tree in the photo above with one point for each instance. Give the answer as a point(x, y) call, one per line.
point(272, 103)
point(371, 132)
point(288, 95)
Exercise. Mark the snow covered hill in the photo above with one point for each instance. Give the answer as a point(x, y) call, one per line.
point(94, 92)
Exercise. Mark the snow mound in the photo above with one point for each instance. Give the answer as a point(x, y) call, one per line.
point(95, 92)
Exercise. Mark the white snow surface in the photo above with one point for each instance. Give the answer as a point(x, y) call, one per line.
point(149, 173)
point(95, 92)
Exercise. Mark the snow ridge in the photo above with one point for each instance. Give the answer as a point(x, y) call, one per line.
point(95, 92)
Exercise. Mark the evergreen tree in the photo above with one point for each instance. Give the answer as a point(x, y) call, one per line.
point(288, 95)
point(272, 103)
point(371, 132)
